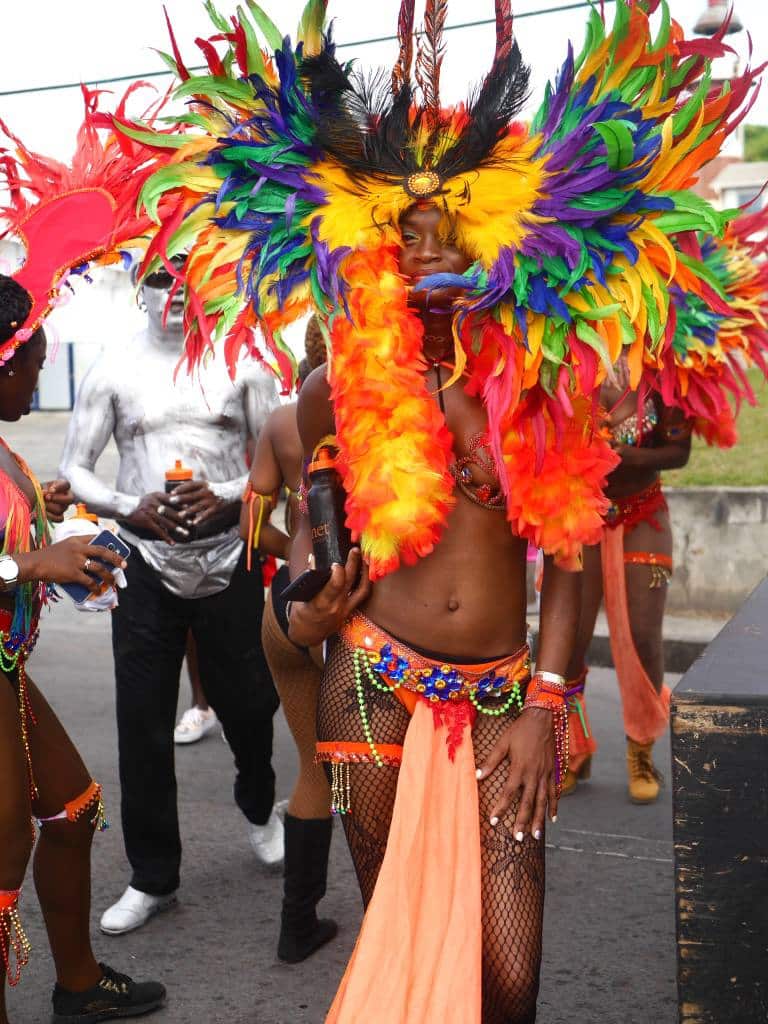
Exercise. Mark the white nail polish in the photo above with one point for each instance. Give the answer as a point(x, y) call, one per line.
point(554, 818)
point(519, 837)
point(479, 773)
point(494, 822)
point(537, 834)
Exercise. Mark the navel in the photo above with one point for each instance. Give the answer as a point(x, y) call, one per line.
point(453, 604)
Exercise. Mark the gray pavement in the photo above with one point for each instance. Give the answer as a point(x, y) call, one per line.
point(609, 932)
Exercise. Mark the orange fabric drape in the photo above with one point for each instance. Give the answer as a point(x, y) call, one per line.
point(646, 713)
point(418, 955)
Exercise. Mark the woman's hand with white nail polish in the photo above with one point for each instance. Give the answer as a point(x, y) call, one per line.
point(527, 747)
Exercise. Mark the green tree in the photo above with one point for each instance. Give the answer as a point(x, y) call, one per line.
point(756, 142)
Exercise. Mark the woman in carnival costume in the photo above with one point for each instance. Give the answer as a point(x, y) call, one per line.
point(65, 217)
point(296, 671)
point(713, 338)
point(477, 279)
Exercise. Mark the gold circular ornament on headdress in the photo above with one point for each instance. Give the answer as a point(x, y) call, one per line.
point(423, 184)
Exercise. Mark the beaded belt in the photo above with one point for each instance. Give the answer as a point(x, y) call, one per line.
point(13, 644)
point(637, 508)
point(434, 680)
point(385, 664)
point(15, 648)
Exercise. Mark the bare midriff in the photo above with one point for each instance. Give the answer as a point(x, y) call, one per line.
point(468, 598)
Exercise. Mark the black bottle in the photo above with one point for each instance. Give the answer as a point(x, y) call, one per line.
point(331, 540)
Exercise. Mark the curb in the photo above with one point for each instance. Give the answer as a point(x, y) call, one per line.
point(685, 640)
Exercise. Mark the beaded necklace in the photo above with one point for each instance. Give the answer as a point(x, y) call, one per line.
point(24, 527)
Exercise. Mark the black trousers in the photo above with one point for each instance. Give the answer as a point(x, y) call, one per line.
point(149, 633)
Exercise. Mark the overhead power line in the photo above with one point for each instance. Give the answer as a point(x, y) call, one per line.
point(339, 46)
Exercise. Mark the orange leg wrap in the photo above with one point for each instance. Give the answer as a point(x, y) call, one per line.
point(91, 799)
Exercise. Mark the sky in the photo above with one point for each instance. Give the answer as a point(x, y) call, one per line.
point(46, 42)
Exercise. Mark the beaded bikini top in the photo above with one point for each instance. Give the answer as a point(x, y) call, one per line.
point(22, 527)
point(487, 495)
point(636, 430)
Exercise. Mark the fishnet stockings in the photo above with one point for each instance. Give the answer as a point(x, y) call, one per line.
point(512, 872)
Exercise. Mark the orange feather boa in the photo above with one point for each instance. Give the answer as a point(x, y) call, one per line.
point(395, 449)
point(394, 446)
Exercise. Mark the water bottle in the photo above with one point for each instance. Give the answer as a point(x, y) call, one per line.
point(331, 540)
point(173, 477)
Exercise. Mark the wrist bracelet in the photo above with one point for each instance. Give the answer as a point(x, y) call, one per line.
point(547, 690)
point(550, 677)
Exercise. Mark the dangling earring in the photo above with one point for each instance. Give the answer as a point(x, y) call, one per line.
point(11, 373)
point(140, 302)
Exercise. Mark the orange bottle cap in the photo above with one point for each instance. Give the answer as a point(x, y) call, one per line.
point(323, 460)
point(179, 472)
point(81, 512)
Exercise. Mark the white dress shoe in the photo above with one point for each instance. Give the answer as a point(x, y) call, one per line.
point(132, 910)
point(194, 724)
point(268, 840)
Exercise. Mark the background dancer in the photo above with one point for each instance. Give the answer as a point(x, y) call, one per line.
point(186, 571)
point(700, 374)
point(296, 672)
point(631, 569)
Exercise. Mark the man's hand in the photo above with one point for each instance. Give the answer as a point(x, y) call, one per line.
point(529, 748)
point(58, 496)
point(156, 514)
point(195, 501)
point(349, 586)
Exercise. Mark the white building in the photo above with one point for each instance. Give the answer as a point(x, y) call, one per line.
point(740, 184)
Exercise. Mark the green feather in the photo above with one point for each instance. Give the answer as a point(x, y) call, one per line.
point(168, 60)
point(269, 30)
point(218, 19)
point(655, 329)
point(151, 138)
point(212, 86)
point(618, 141)
point(590, 337)
point(312, 19)
point(553, 344)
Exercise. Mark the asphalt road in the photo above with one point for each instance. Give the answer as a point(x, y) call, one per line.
point(609, 930)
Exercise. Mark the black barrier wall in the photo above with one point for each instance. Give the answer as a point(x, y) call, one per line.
point(720, 798)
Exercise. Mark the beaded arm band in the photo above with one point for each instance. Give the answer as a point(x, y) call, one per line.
point(250, 497)
point(548, 690)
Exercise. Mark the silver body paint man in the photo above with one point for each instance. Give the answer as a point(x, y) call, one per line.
point(157, 416)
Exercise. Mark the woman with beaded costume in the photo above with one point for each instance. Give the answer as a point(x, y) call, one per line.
point(477, 280)
point(66, 218)
point(635, 561)
point(44, 778)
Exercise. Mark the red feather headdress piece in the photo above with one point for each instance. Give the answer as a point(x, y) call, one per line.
point(69, 216)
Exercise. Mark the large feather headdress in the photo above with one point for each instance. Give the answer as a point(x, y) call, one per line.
point(287, 179)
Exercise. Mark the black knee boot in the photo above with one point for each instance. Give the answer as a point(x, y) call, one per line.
point(307, 842)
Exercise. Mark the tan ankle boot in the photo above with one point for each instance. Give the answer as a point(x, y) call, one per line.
point(579, 774)
point(644, 779)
